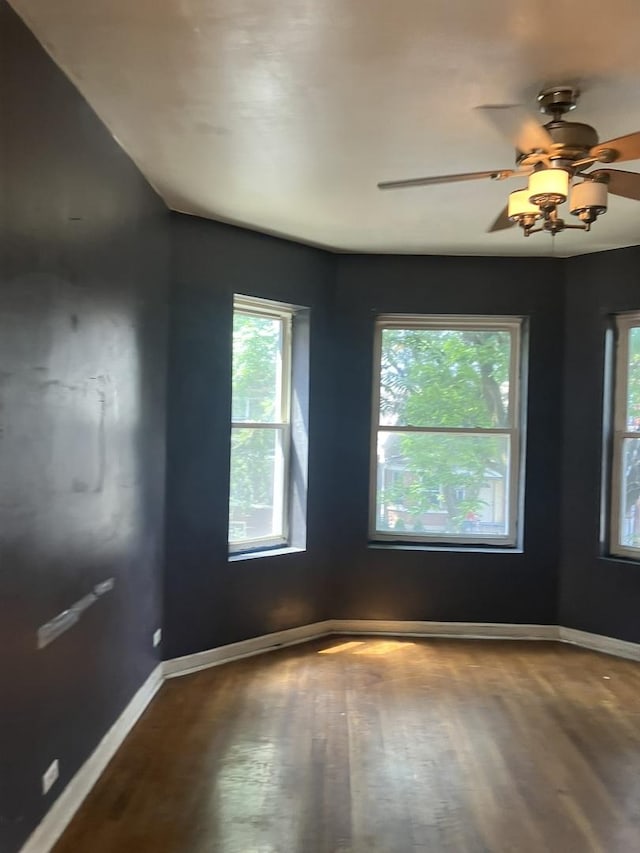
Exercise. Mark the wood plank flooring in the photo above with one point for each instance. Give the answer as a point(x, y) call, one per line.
point(377, 745)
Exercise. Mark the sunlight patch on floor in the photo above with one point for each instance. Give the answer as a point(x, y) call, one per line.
point(343, 647)
point(374, 648)
point(383, 647)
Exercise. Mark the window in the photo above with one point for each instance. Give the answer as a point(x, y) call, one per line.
point(446, 437)
point(625, 502)
point(261, 424)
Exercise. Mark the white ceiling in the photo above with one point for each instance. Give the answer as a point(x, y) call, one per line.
point(282, 115)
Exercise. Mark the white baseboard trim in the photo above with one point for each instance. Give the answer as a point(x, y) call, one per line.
point(64, 808)
point(372, 627)
point(62, 811)
point(600, 643)
point(245, 648)
point(454, 630)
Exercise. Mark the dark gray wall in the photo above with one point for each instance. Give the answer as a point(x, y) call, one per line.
point(597, 593)
point(209, 600)
point(83, 284)
point(389, 583)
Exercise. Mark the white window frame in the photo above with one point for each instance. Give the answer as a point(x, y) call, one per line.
point(513, 325)
point(269, 309)
point(624, 323)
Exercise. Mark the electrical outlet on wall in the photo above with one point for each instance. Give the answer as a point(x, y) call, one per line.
point(50, 776)
point(157, 636)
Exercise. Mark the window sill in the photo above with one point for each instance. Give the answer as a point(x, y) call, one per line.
point(458, 549)
point(627, 560)
point(265, 552)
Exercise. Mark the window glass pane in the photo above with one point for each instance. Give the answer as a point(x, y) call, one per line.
point(445, 378)
point(438, 483)
point(633, 381)
point(257, 479)
point(630, 494)
point(257, 360)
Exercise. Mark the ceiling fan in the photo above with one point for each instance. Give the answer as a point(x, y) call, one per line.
point(555, 158)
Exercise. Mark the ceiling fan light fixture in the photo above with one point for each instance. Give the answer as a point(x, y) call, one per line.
point(548, 187)
point(519, 205)
point(588, 199)
point(553, 156)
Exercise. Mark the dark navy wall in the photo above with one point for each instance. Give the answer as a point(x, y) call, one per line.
point(209, 600)
point(388, 583)
point(597, 593)
point(83, 288)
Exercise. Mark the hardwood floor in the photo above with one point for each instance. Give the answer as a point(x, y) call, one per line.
point(354, 745)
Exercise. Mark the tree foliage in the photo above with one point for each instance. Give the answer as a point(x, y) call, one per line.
point(256, 352)
point(256, 347)
point(631, 459)
point(445, 378)
point(429, 378)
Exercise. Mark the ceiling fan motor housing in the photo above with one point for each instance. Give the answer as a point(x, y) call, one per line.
point(572, 141)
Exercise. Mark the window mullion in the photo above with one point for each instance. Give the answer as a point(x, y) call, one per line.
point(449, 430)
point(258, 424)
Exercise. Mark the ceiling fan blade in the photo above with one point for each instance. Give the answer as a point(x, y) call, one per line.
point(625, 147)
point(626, 184)
point(519, 126)
point(497, 175)
point(502, 221)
